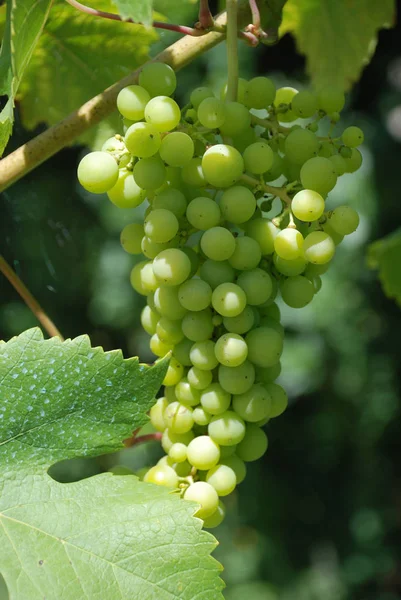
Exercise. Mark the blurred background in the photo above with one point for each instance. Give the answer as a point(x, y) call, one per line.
point(319, 517)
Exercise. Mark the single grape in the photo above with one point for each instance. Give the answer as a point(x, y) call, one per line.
point(318, 174)
point(268, 374)
point(331, 100)
point(254, 405)
point(218, 243)
point(199, 94)
point(203, 213)
point(352, 137)
point(203, 453)
point(264, 232)
point(237, 380)
point(98, 172)
point(237, 204)
point(247, 254)
point(150, 173)
point(163, 113)
point(211, 113)
point(181, 352)
point(339, 164)
point(254, 444)
point(156, 414)
point(327, 149)
point(265, 346)
point(354, 161)
point(222, 478)
point(319, 248)
point(178, 417)
point(217, 272)
point(276, 169)
point(205, 495)
point(226, 429)
point(202, 355)
point(114, 144)
point(300, 145)
point(151, 249)
point(336, 237)
point(315, 270)
point(149, 320)
point(222, 165)
point(169, 331)
point(192, 173)
point(171, 267)
point(175, 372)
point(214, 399)
point(215, 518)
point(290, 268)
point(307, 205)
point(162, 475)
point(226, 451)
point(304, 104)
point(283, 101)
point(142, 278)
point(199, 378)
point(260, 92)
point(169, 438)
point(297, 291)
point(288, 244)
point(158, 79)
point(131, 238)
point(167, 303)
point(178, 452)
point(171, 199)
point(186, 393)
point(236, 464)
point(131, 102)
point(272, 324)
point(198, 326)
point(278, 397)
point(231, 350)
point(242, 322)
point(242, 140)
point(158, 347)
point(344, 220)
point(195, 294)
point(177, 149)
point(258, 158)
point(237, 119)
point(142, 140)
point(272, 310)
point(228, 299)
point(161, 225)
point(201, 416)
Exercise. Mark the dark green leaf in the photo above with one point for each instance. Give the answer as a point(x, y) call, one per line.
point(385, 255)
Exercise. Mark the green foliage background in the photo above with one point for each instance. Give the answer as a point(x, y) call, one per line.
point(319, 516)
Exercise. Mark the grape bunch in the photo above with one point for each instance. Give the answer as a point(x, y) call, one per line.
point(214, 261)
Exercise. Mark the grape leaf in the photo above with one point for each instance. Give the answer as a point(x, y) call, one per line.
point(24, 23)
point(109, 536)
point(77, 57)
point(385, 255)
point(137, 10)
point(338, 37)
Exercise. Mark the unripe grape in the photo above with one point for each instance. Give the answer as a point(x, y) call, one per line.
point(131, 238)
point(158, 79)
point(258, 158)
point(178, 417)
point(211, 113)
point(156, 414)
point(142, 140)
point(344, 220)
point(214, 399)
point(202, 355)
point(222, 478)
point(203, 453)
point(162, 475)
point(222, 165)
point(319, 248)
point(215, 518)
point(254, 444)
point(227, 429)
point(288, 243)
point(307, 205)
point(231, 350)
point(205, 495)
point(98, 172)
point(131, 102)
point(163, 113)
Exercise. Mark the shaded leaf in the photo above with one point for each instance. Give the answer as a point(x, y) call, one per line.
point(137, 10)
point(385, 255)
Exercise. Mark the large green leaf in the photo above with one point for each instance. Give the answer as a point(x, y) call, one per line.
point(24, 23)
point(338, 37)
point(77, 57)
point(137, 10)
point(385, 255)
point(107, 537)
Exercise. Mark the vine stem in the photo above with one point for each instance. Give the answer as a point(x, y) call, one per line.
point(149, 437)
point(255, 14)
point(39, 149)
point(232, 51)
point(29, 299)
point(280, 192)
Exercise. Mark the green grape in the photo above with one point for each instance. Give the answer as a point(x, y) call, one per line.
point(199, 378)
point(352, 137)
point(171, 199)
point(156, 414)
point(284, 98)
point(279, 399)
point(175, 372)
point(247, 254)
point(226, 429)
point(317, 283)
point(318, 174)
point(254, 444)
point(304, 104)
point(276, 169)
point(339, 164)
point(336, 237)
point(215, 518)
point(237, 380)
point(163, 113)
point(201, 416)
point(241, 93)
point(211, 113)
point(158, 79)
point(167, 303)
point(202, 355)
point(192, 173)
point(226, 451)
point(98, 172)
point(327, 149)
point(142, 140)
point(258, 158)
point(222, 478)
point(131, 238)
point(290, 268)
point(162, 475)
point(231, 350)
point(260, 92)
point(114, 144)
point(169, 438)
point(161, 225)
point(183, 469)
point(222, 165)
point(193, 258)
point(237, 119)
point(307, 205)
point(237, 465)
point(131, 102)
point(237, 204)
point(272, 310)
point(272, 324)
point(142, 278)
point(300, 145)
point(319, 248)
point(242, 322)
point(171, 267)
point(331, 100)
point(290, 170)
point(264, 232)
point(217, 272)
point(265, 346)
point(198, 326)
point(268, 374)
point(158, 347)
point(181, 352)
point(178, 452)
point(214, 399)
point(345, 152)
point(316, 270)
point(228, 299)
point(178, 417)
point(297, 291)
point(354, 161)
point(334, 117)
point(203, 213)
point(195, 294)
point(150, 173)
point(218, 243)
point(177, 149)
point(244, 139)
point(288, 244)
point(254, 405)
point(205, 495)
point(169, 331)
point(313, 126)
point(203, 453)
point(126, 193)
point(199, 94)
point(344, 220)
point(151, 249)
point(186, 393)
point(149, 320)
